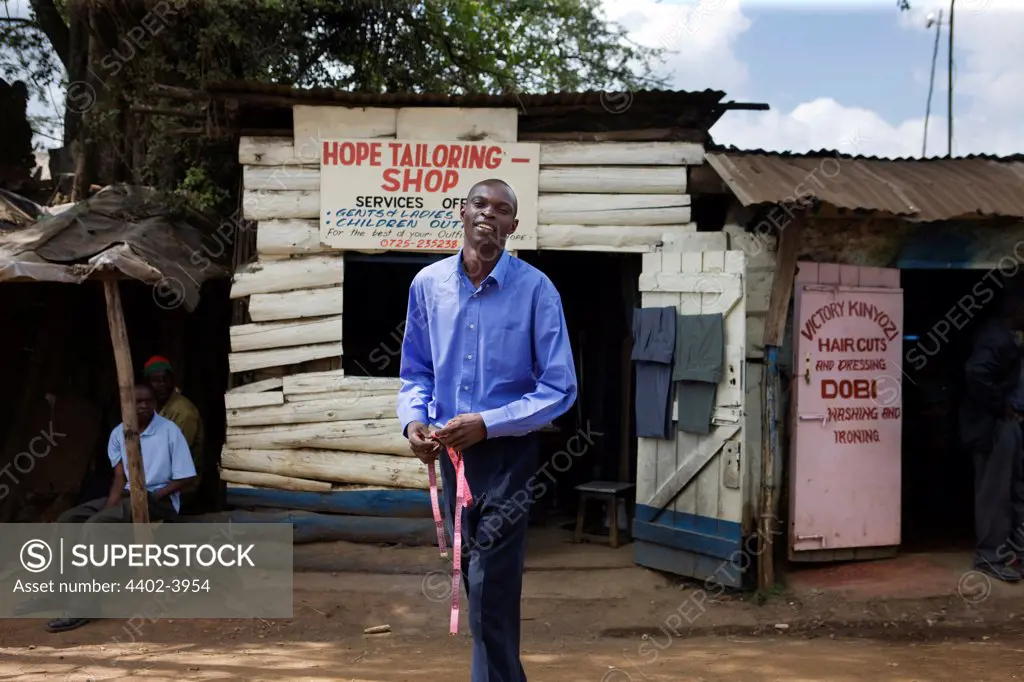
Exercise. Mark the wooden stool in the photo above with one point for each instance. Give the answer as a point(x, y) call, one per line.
point(610, 492)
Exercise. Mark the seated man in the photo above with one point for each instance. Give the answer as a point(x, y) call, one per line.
point(171, 404)
point(167, 464)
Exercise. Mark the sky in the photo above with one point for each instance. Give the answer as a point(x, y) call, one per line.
point(851, 76)
point(837, 74)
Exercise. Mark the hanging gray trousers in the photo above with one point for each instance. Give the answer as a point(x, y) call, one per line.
point(700, 349)
point(654, 340)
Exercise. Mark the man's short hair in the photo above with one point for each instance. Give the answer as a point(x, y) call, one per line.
point(502, 183)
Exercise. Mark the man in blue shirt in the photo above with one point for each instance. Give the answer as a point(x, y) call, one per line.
point(167, 464)
point(486, 362)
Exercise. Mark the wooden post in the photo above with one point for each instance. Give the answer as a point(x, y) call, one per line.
point(774, 330)
point(126, 389)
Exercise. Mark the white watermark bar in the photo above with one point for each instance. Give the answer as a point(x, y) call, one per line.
point(170, 570)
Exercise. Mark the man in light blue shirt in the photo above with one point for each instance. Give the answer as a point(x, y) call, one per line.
point(486, 362)
point(168, 466)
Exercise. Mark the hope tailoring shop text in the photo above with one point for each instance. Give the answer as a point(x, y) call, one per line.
point(414, 167)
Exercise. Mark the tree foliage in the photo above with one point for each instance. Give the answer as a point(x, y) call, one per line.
point(442, 46)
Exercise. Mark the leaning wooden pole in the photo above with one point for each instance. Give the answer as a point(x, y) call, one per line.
point(774, 330)
point(126, 390)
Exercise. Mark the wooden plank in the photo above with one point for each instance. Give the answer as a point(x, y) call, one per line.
point(331, 465)
point(272, 481)
point(613, 209)
point(296, 273)
point(726, 286)
point(281, 357)
point(606, 180)
point(664, 452)
point(369, 407)
point(694, 462)
point(280, 205)
point(689, 303)
point(269, 335)
point(314, 527)
point(457, 123)
point(345, 395)
point(752, 432)
point(619, 238)
point(647, 448)
point(269, 151)
point(280, 178)
point(326, 382)
point(340, 123)
point(782, 284)
point(293, 305)
point(126, 392)
point(621, 154)
point(774, 332)
point(289, 238)
point(564, 209)
point(378, 436)
point(640, 135)
point(255, 387)
point(233, 401)
point(694, 241)
point(755, 335)
point(392, 502)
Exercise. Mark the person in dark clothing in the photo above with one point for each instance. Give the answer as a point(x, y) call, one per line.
point(990, 432)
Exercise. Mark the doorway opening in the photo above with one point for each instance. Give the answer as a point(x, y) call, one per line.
point(599, 292)
point(937, 481)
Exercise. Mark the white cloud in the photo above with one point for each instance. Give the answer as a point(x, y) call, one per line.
point(988, 81)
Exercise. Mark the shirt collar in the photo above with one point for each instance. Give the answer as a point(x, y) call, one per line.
point(153, 426)
point(499, 275)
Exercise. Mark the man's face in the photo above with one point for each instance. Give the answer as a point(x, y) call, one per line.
point(488, 218)
point(145, 404)
point(163, 385)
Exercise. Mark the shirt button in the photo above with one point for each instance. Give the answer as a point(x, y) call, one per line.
point(472, 326)
point(465, 388)
point(469, 357)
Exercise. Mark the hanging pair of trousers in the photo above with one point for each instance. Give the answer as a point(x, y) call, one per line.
point(999, 496)
point(499, 472)
point(654, 340)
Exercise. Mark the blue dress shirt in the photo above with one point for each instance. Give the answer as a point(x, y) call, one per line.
point(501, 350)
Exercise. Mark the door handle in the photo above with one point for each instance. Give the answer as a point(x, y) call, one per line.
point(823, 418)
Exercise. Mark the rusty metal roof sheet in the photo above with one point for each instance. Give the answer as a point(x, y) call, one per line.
point(921, 190)
point(251, 89)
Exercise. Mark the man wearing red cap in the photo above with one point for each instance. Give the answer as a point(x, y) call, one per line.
point(172, 405)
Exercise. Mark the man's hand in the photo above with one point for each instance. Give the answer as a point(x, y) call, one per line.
point(422, 446)
point(463, 431)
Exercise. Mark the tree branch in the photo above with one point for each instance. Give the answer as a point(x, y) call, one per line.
point(51, 23)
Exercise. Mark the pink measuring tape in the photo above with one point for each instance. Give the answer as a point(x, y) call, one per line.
point(463, 498)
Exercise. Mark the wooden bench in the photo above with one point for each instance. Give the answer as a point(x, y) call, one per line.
point(609, 492)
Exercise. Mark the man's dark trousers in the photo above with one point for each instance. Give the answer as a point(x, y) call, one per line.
point(998, 495)
point(97, 511)
point(500, 474)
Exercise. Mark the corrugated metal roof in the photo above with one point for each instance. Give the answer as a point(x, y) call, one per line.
point(920, 189)
point(645, 98)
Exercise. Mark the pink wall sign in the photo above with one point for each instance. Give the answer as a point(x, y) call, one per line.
point(845, 458)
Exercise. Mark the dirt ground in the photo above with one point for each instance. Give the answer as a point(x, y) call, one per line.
point(646, 628)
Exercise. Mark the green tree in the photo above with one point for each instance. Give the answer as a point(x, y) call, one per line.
point(118, 48)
